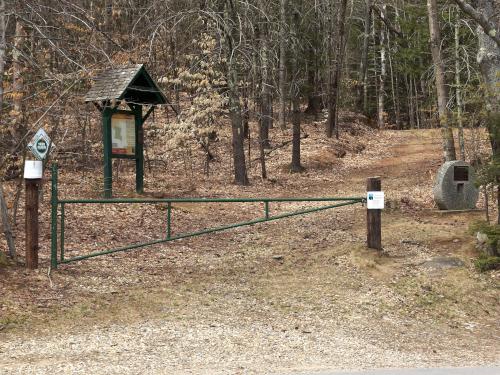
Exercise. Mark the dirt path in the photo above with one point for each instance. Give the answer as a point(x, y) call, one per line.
point(295, 295)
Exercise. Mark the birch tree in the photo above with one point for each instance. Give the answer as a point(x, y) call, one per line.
point(383, 71)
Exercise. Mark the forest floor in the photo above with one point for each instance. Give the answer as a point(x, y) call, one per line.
point(299, 294)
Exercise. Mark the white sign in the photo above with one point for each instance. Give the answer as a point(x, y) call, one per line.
point(123, 134)
point(39, 145)
point(33, 169)
point(375, 200)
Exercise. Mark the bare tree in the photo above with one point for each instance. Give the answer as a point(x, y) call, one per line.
point(3, 206)
point(383, 71)
point(364, 55)
point(335, 72)
point(231, 22)
point(442, 92)
point(487, 16)
point(458, 92)
point(282, 64)
point(296, 89)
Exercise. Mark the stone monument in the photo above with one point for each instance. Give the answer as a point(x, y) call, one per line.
point(454, 188)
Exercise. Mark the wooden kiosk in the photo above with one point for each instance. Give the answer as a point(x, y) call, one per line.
point(122, 130)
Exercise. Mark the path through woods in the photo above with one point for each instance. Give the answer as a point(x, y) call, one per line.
point(295, 295)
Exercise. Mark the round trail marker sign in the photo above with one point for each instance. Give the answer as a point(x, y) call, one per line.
point(39, 144)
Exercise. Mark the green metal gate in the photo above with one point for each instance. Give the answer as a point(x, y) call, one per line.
point(59, 210)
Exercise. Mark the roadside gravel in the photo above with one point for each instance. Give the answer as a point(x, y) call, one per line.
point(166, 347)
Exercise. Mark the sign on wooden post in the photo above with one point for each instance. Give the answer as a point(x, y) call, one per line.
point(374, 205)
point(33, 171)
point(40, 146)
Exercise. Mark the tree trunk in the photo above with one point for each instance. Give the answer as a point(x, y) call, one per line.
point(341, 43)
point(314, 102)
point(108, 10)
point(175, 70)
point(331, 73)
point(3, 207)
point(336, 72)
point(265, 113)
point(489, 62)
point(282, 64)
point(364, 56)
point(458, 92)
point(296, 166)
point(240, 170)
point(411, 108)
point(296, 88)
point(383, 69)
point(246, 115)
point(442, 93)
point(416, 105)
point(6, 224)
point(394, 93)
point(17, 85)
point(488, 18)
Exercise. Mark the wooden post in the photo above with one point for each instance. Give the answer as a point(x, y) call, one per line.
point(31, 220)
point(139, 143)
point(107, 147)
point(374, 217)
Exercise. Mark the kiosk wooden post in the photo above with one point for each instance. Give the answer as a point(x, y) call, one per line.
point(107, 154)
point(139, 144)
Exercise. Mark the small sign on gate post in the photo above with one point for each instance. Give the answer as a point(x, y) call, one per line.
point(374, 205)
point(375, 200)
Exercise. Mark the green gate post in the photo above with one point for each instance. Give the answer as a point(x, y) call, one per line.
point(139, 152)
point(108, 163)
point(169, 220)
point(63, 215)
point(54, 200)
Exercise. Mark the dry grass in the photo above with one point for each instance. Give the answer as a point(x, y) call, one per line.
point(309, 275)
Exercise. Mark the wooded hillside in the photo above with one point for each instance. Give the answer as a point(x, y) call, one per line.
point(245, 248)
point(225, 65)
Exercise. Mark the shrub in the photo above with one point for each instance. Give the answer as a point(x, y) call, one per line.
point(492, 232)
point(487, 263)
point(3, 260)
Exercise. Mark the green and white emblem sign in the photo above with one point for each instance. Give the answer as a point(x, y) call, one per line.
point(39, 145)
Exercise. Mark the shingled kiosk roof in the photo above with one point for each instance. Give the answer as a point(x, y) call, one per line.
point(132, 84)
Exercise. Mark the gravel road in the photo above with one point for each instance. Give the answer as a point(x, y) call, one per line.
point(421, 371)
point(166, 347)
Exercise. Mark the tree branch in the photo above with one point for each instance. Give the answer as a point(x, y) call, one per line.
point(488, 27)
point(387, 23)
